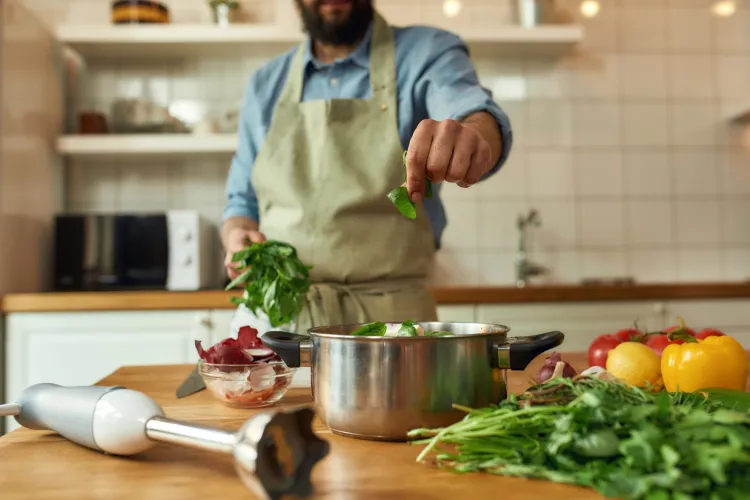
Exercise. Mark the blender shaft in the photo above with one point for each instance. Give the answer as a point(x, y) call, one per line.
point(191, 435)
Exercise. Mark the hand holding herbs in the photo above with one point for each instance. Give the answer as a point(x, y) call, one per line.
point(597, 432)
point(274, 278)
point(400, 196)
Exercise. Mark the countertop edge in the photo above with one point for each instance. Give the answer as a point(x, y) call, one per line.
point(446, 295)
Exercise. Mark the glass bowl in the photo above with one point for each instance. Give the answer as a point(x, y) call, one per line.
point(254, 385)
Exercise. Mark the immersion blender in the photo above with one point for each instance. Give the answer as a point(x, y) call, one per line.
point(274, 451)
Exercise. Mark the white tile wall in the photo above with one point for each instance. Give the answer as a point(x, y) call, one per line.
point(621, 145)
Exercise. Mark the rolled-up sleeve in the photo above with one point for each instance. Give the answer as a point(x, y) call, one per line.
point(452, 90)
point(241, 199)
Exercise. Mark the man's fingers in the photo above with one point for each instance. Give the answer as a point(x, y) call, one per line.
point(461, 159)
point(442, 149)
point(416, 158)
point(480, 164)
point(256, 237)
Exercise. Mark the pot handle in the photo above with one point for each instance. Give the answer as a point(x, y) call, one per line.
point(520, 351)
point(293, 349)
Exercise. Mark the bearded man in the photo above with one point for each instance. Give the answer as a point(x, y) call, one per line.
point(321, 137)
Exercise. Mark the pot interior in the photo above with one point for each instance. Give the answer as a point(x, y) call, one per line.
point(458, 329)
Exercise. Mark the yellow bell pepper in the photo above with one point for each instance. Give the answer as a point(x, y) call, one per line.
point(714, 362)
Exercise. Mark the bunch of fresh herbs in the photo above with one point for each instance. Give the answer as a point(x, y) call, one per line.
point(274, 278)
point(619, 440)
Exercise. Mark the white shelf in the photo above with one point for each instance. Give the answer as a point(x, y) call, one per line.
point(146, 144)
point(186, 40)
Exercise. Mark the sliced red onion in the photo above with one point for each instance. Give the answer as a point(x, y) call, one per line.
point(259, 352)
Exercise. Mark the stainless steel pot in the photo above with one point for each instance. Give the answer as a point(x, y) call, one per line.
point(380, 388)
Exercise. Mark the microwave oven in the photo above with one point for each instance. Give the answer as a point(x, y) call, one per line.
point(170, 250)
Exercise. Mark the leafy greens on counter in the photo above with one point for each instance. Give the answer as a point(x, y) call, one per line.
point(621, 441)
point(274, 278)
point(400, 196)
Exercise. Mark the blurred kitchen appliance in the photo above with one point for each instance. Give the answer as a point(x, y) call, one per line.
point(170, 250)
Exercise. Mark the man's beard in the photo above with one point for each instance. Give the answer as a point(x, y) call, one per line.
point(346, 32)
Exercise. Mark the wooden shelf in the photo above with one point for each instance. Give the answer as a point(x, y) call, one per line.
point(145, 144)
point(186, 40)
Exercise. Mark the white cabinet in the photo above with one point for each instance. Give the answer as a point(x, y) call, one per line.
point(82, 348)
point(580, 322)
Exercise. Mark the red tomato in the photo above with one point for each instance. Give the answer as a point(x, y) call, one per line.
point(708, 332)
point(600, 347)
point(627, 334)
point(659, 342)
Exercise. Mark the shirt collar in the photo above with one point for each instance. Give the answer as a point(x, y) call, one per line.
point(360, 56)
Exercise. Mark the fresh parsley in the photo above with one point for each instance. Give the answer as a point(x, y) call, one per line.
point(622, 441)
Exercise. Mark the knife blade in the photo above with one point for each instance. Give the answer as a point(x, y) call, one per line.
point(192, 384)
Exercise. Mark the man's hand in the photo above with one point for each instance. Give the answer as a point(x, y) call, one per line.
point(236, 239)
point(451, 151)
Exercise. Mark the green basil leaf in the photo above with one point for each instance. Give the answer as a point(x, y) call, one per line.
point(408, 329)
point(438, 334)
point(428, 190)
point(400, 198)
point(242, 278)
point(376, 329)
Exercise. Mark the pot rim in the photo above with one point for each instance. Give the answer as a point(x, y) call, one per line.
point(342, 331)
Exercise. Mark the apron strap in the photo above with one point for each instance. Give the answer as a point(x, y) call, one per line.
point(383, 62)
point(382, 66)
point(292, 91)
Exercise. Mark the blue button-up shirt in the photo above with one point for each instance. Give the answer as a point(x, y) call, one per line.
point(435, 79)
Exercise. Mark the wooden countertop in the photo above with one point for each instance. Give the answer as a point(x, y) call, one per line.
point(455, 295)
point(38, 464)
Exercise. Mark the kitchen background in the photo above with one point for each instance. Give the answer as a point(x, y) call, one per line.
point(624, 145)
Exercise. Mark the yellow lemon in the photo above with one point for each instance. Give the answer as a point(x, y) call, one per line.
point(635, 363)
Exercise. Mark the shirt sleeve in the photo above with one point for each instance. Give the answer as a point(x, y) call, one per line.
point(241, 199)
point(451, 89)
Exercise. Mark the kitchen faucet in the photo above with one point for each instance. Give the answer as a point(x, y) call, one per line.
point(524, 268)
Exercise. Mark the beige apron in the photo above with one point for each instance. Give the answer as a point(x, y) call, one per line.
point(322, 179)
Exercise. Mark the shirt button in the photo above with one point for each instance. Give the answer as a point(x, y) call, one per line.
point(334, 81)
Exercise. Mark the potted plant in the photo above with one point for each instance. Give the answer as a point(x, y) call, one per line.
point(222, 10)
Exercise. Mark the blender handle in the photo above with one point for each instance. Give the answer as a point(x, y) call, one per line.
point(293, 349)
point(518, 352)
